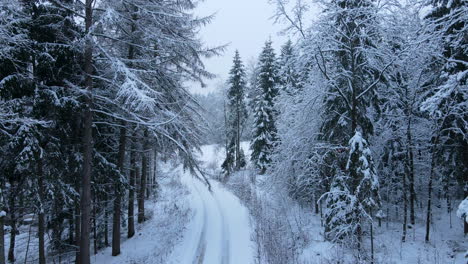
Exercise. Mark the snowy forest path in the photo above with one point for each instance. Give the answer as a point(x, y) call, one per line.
point(219, 231)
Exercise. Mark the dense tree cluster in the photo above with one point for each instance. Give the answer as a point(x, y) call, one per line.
point(90, 93)
point(366, 112)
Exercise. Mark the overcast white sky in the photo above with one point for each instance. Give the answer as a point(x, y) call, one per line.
point(245, 24)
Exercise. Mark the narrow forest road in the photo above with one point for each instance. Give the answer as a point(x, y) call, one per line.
point(220, 231)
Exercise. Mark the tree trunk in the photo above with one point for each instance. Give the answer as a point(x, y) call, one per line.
point(372, 242)
point(238, 162)
point(412, 193)
point(149, 183)
point(226, 141)
point(87, 141)
point(155, 171)
point(95, 238)
point(131, 196)
point(465, 224)
point(2, 238)
point(41, 215)
point(11, 250)
point(77, 231)
point(141, 196)
point(117, 193)
point(106, 221)
point(316, 204)
point(405, 209)
point(71, 226)
point(429, 194)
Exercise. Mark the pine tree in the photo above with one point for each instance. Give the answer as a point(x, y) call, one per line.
point(237, 115)
point(264, 134)
point(289, 78)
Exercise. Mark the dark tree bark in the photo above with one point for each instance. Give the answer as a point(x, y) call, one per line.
point(412, 193)
point(87, 141)
point(372, 242)
point(316, 204)
point(71, 226)
point(155, 172)
point(106, 222)
point(95, 238)
point(465, 224)
point(149, 184)
point(142, 189)
point(131, 195)
point(2, 238)
point(405, 209)
point(77, 231)
point(117, 194)
point(238, 157)
point(429, 193)
point(13, 219)
point(41, 216)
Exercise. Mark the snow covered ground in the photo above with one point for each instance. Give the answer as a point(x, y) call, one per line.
point(219, 232)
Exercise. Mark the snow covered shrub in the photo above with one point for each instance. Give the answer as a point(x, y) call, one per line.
point(338, 212)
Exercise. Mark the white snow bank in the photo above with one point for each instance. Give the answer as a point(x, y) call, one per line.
point(462, 211)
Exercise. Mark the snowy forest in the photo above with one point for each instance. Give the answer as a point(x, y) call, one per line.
point(348, 144)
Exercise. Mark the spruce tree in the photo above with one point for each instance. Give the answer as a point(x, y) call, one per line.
point(289, 78)
point(237, 115)
point(346, 58)
point(264, 134)
point(349, 209)
point(351, 68)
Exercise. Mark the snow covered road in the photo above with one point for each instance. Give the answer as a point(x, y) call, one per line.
point(219, 232)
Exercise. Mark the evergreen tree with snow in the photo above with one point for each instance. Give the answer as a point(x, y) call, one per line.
point(289, 78)
point(348, 207)
point(236, 115)
point(264, 134)
point(351, 66)
point(338, 213)
point(362, 173)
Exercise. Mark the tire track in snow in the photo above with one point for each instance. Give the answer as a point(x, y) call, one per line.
point(200, 252)
point(225, 232)
point(218, 225)
point(220, 231)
